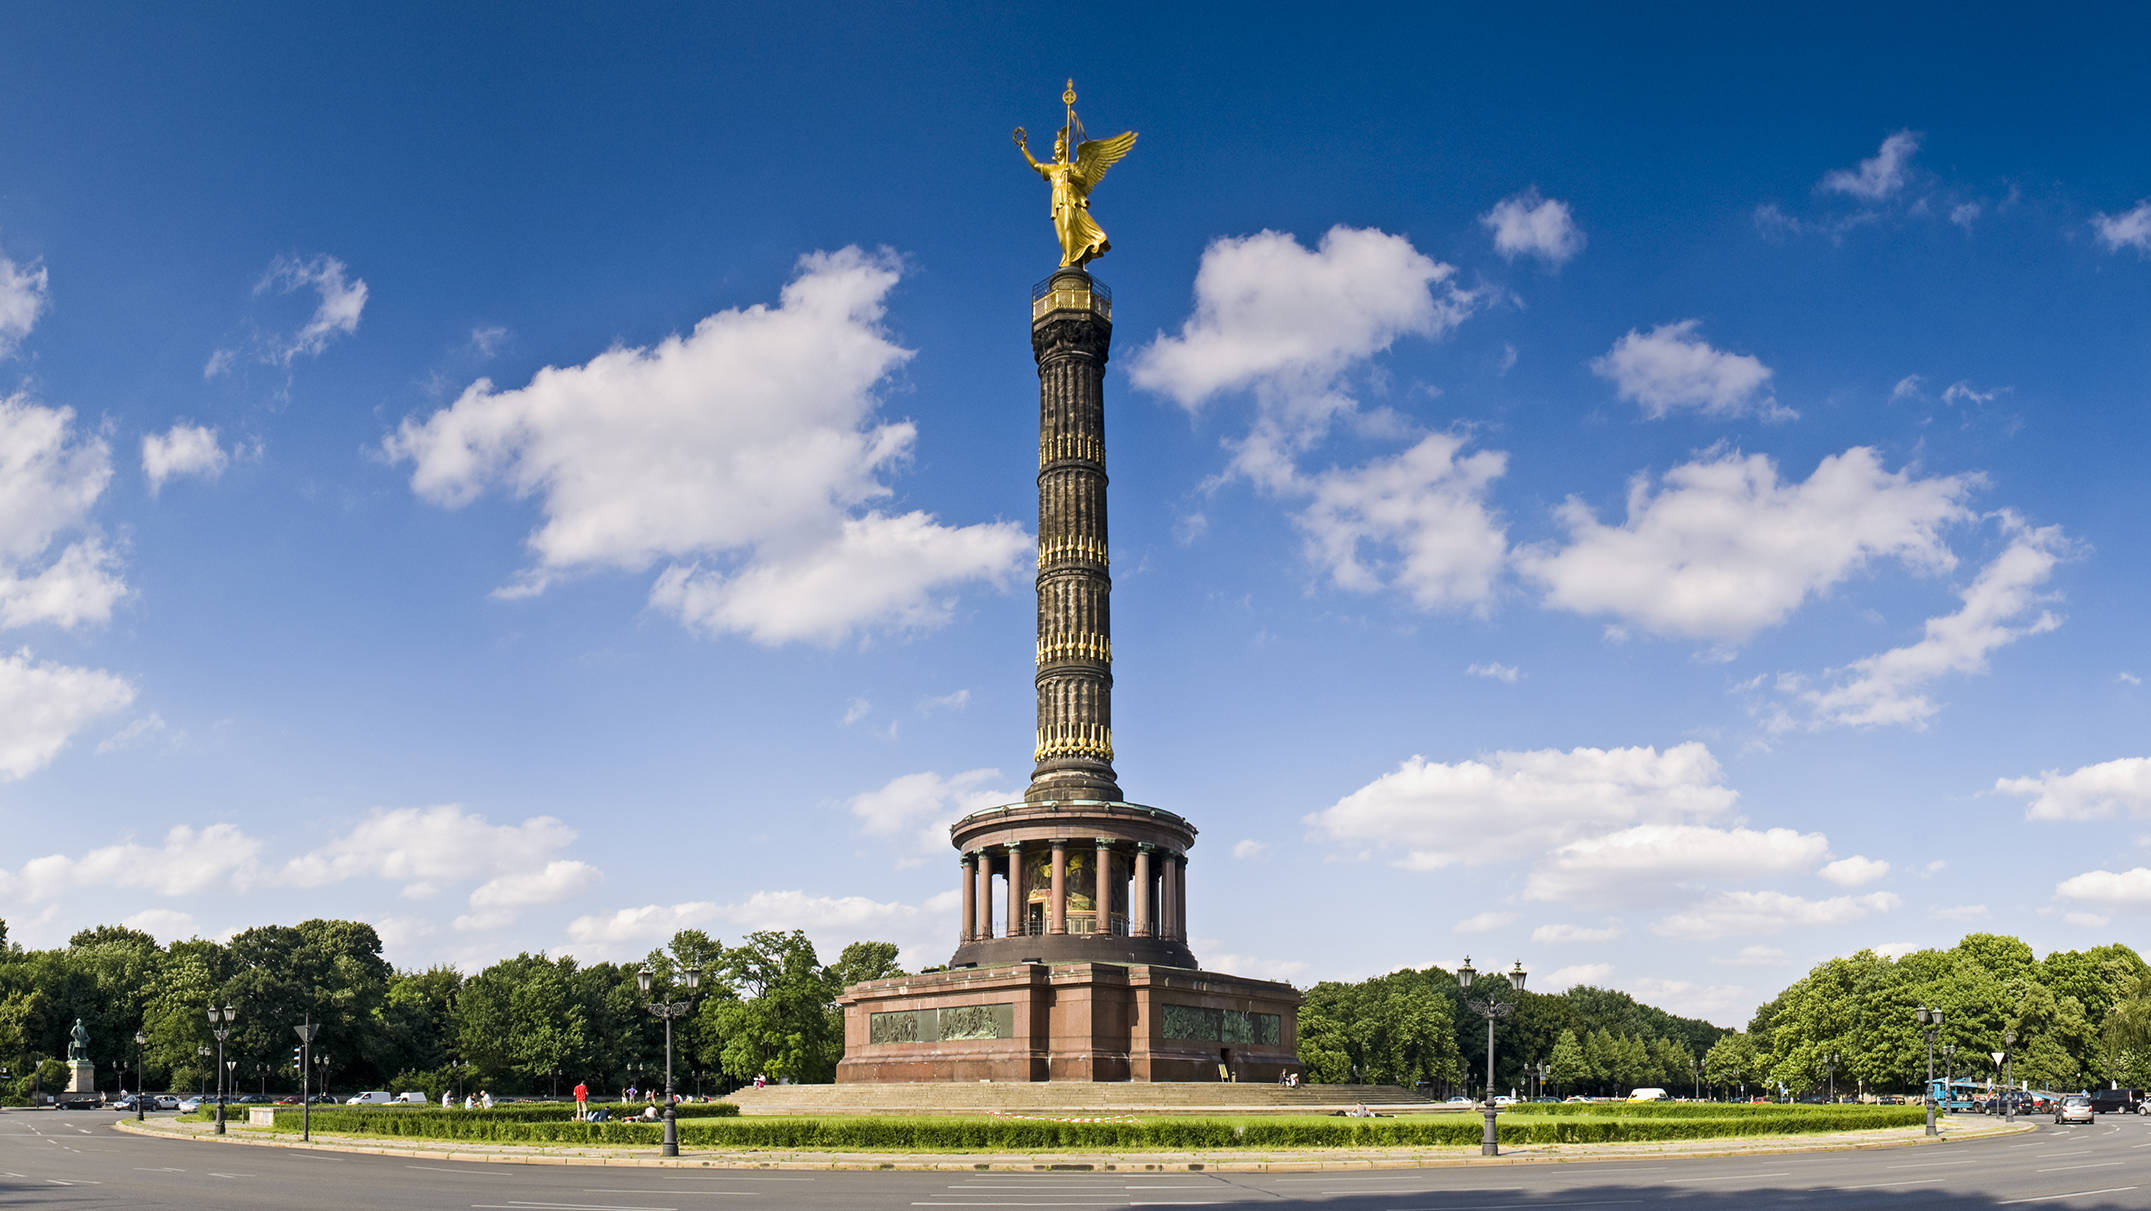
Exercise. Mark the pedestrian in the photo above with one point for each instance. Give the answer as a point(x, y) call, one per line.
point(582, 1101)
point(630, 1096)
point(444, 1100)
point(485, 1099)
point(469, 1103)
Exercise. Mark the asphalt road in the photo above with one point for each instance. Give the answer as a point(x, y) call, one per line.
point(76, 1160)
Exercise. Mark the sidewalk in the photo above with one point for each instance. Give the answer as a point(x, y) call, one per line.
point(1232, 1161)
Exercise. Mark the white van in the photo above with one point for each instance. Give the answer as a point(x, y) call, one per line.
point(1647, 1095)
point(372, 1097)
point(414, 1097)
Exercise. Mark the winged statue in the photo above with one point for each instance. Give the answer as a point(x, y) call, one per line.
point(1082, 240)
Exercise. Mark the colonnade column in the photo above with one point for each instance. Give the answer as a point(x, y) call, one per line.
point(969, 921)
point(1017, 894)
point(1105, 885)
point(1180, 896)
point(1168, 909)
point(983, 927)
point(1139, 893)
point(1058, 906)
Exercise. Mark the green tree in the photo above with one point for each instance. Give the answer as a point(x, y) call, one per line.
point(1566, 1067)
point(1731, 1063)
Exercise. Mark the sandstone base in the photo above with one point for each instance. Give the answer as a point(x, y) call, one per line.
point(1069, 1022)
point(81, 1076)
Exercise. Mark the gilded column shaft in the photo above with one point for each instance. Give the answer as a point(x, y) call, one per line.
point(1071, 332)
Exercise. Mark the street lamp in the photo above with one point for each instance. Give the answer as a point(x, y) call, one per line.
point(2009, 1102)
point(201, 1083)
point(220, 1025)
point(1492, 1006)
point(1829, 1069)
point(666, 1011)
point(1949, 1070)
point(1930, 1021)
point(140, 1040)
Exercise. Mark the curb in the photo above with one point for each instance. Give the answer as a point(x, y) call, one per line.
point(1068, 1163)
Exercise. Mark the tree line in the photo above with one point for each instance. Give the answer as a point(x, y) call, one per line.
point(530, 1024)
point(2082, 1019)
point(1415, 1028)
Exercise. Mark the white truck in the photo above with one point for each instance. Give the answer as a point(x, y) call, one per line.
point(372, 1097)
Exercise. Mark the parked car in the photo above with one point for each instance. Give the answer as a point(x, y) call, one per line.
point(188, 1105)
point(2075, 1108)
point(2116, 1101)
point(164, 1101)
point(1652, 1094)
point(124, 1105)
point(371, 1097)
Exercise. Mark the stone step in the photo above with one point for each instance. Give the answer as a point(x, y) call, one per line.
point(1070, 1097)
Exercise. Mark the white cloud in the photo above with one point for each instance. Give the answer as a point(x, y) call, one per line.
point(24, 294)
point(43, 706)
point(1906, 388)
point(1483, 922)
point(921, 930)
point(1563, 934)
point(1260, 967)
point(1515, 803)
point(956, 701)
point(183, 450)
point(921, 806)
point(1723, 549)
point(1421, 515)
point(337, 313)
point(189, 861)
point(1273, 316)
point(136, 731)
point(50, 478)
point(1855, 871)
point(1959, 912)
point(2002, 605)
point(1733, 913)
point(898, 573)
point(1640, 862)
point(1248, 850)
point(856, 709)
point(1671, 367)
point(2088, 920)
point(1757, 956)
point(1964, 214)
point(2129, 229)
point(2091, 792)
point(750, 442)
point(486, 339)
point(167, 925)
point(1494, 670)
point(1963, 392)
point(2128, 678)
point(425, 846)
point(1896, 950)
point(1879, 177)
point(1529, 224)
point(1563, 978)
point(2113, 888)
point(494, 903)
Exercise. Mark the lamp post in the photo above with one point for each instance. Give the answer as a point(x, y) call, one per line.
point(2009, 1103)
point(1949, 1069)
point(666, 1011)
point(140, 1040)
point(201, 1082)
point(1930, 1021)
point(1492, 1006)
point(1829, 1070)
point(220, 1026)
point(306, 1032)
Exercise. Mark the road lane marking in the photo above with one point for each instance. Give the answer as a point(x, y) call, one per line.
point(522, 1206)
point(1924, 1164)
point(2090, 1165)
point(1902, 1181)
point(2072, 1194)
point(1594, 1202)
point(1730, 1177)
point(661, 1190)
point(1094, 1202)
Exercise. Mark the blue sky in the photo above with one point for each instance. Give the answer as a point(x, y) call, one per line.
point(1656, 497)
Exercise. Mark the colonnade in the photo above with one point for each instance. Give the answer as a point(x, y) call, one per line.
point(1149, 881)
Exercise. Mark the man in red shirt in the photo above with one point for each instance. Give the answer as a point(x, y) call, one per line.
point(582, 1101)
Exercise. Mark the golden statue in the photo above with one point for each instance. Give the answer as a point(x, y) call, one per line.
point(1072, 180)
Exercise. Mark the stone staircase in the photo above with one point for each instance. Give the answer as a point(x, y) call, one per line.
point(1077, 1097)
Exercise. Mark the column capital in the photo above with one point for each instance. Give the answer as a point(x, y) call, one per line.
point(966, 858)
point(1059, 843)
point(1105, 843)
point(1147, 847)
point(1014, 847)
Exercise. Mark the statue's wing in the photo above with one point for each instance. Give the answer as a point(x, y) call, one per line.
point(1095, 156)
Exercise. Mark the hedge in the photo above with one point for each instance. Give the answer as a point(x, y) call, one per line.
point(514, 1112)
point(902, 1134)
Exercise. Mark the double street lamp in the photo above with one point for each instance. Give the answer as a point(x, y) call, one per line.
point(1492, 1006)
point(1930, 1021)
point(667, 1011)
point(1829, 1070)
point(201, 1081)
point(140, 1040)
point(220, 1025)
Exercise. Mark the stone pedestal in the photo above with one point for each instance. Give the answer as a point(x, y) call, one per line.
point(81, 1076)
point(1069, 1022)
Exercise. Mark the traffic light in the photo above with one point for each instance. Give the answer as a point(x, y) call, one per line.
point(298, 1057)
